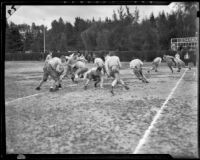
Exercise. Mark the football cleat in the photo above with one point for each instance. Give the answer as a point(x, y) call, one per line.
point(37, 88)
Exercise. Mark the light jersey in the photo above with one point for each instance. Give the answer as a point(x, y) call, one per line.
point(157, 60)
point(71, 60)
point(99, 62)
point(80, 64)
point(106, 58)
point(112, 61)
point(48, 58)
point(82, 58)
point(179, 62)
point(92, 72)
point(136, 63)
point(168, 58)
point(177, 56)
point(56, 64)
point(67, 57)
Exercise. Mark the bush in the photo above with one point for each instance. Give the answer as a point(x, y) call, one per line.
point(23, 56)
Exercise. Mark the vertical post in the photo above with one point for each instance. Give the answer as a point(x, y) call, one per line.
point(44, 43)
point(171, 43)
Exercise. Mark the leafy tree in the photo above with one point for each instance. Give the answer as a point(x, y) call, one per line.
point(114, 16)
point(13, 39)
point(28, 41)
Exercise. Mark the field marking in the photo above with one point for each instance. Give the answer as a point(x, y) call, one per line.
point(24, 98)
point(33, 95)
point(147, 132)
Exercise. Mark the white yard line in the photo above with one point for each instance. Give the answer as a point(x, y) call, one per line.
point(24, 98)
point(33, 95)
point(147, 132)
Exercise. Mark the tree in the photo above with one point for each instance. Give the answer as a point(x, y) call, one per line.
point(79, 26)
point(163, 31)
point(7, 36)
point(13, 39)
point(152, 20)
point(129, 17)
point(121, 13)
point(186, 14)
point(102, 40)
point(136, 15)
point(114, 16)
point(28, 42)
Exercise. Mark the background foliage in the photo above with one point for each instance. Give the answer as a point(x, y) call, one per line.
point(123, 33)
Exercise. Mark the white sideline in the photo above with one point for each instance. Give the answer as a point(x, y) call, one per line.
point(33, 95)
point(147, 132)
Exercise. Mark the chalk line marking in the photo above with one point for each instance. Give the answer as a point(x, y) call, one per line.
point(33, 95)
point(147, 132)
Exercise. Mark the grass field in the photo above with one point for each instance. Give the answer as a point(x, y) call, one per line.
point(74, 120)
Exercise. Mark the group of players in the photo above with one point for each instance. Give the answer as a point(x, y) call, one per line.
point(75, 66)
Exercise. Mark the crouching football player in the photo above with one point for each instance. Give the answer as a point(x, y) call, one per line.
point(79, 69)
point(136, 66)
point(179, 63)
point(94, 74)
point(53, 68)
point(172, 61)
point(156, 62)
point(113, 65)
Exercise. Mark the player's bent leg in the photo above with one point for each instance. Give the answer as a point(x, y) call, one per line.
point(56, 77)
point(82, 72)
point(170, 67)
point(44, 79)
point(123, 84)
point(136, 72)
point(113, 85)
point(72, 78)
point(38, 87)
point(156, 68)
point(86, 84)
point(140, 75)
point(101, 81)
point(104, 69)
point(97, 81)
point(59, 83)
point(153, 66)
point(143, 77)
point(189, 65)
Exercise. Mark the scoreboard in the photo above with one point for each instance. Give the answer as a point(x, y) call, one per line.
point(191, 42)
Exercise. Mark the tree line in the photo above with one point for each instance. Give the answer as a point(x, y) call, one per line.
point(122, 32)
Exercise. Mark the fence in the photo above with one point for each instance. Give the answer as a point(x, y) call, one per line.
point(33, 56)
point(123, 55)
